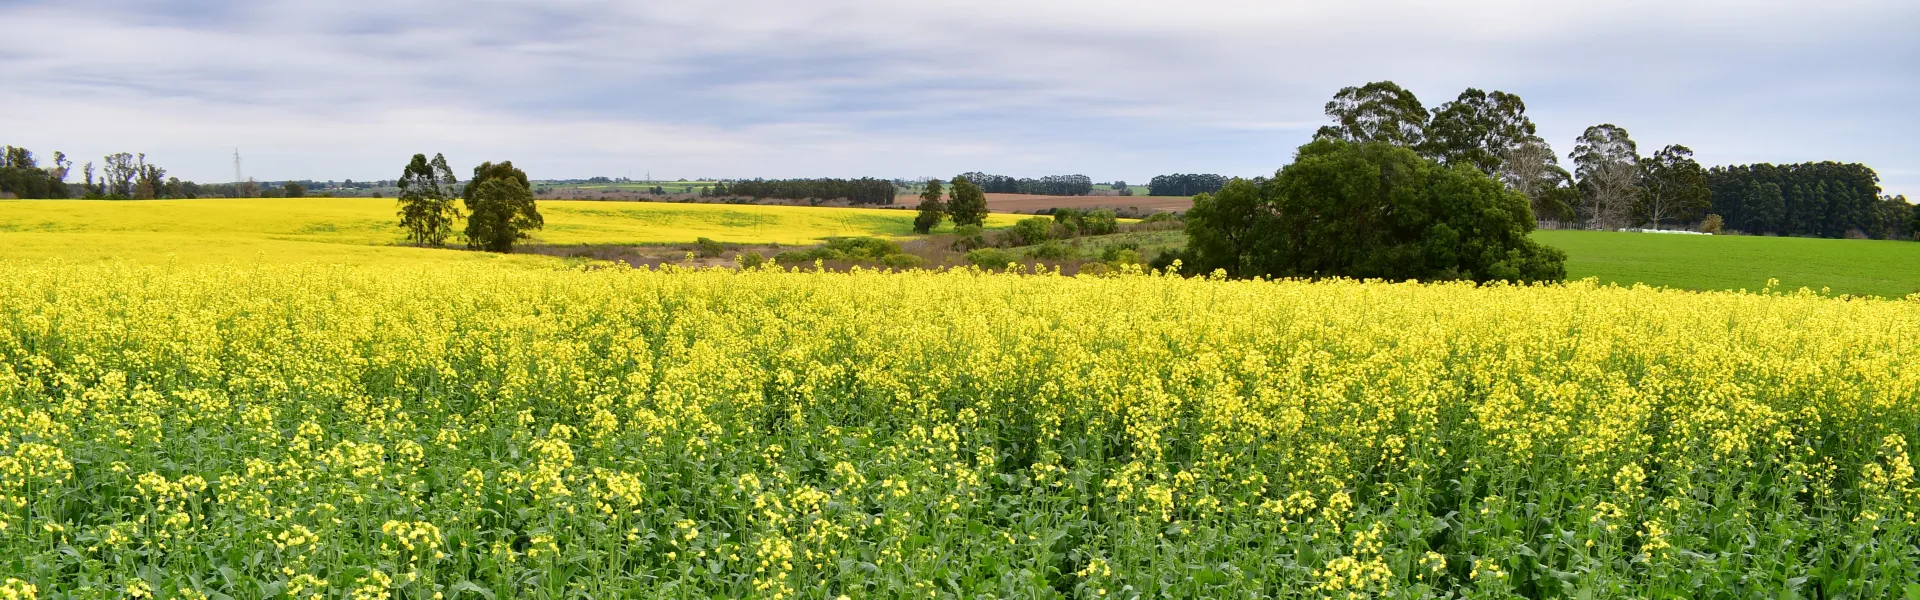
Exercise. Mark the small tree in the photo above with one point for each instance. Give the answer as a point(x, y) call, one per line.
point(500, 206)
point(295, 190)
point(932, 208)
point(1712, 224)
point(426, 200)
point(968, 205)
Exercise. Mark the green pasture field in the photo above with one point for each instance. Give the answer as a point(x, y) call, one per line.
point(1698, 262)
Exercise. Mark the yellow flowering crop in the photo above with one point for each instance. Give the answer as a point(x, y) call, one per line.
point(462, 431)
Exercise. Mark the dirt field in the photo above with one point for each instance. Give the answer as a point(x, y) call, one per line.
point(1022, 203)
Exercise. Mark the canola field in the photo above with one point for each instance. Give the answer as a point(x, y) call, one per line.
point(365, 230)
point(459, 431)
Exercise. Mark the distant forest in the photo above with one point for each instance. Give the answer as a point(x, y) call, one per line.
point(1185, 184)
point(128, 176)
point(865, 190)
point(1825, 199)
point(1051, 185)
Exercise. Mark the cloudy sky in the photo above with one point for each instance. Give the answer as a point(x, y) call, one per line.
point(1109, 88)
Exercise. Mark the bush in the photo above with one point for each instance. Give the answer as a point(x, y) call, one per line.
point(991, 258)
point(1031, 230)
point(861, 248)
point(797, 257)
point(750, 260)
point(1099, 222)
point(1129, 253)
point(1166, 258)
point(850, 249)
point(1711, 224)
point(1054, 250)
point(968, 237)
point(708, 248)
point(902, 261)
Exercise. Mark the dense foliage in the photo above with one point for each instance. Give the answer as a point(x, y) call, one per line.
point(966, 203)
point(1612, 185)
point(1369, 210)
point(865, 190)
point(932, 209)
point(500, 207)
point(1051, 185)
point(426, 200)
point(1824, 199)
point(1185, 184)
point(464, 432)
point(21, 175)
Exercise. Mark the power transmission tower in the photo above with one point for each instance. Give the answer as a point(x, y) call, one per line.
point(236, 173)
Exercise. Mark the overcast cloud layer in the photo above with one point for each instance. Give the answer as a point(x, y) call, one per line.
point(747, 88)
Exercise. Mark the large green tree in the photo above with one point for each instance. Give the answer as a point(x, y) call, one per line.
point(1478, 129)
point(1607, 162)
point(967, 204)
point(1673, 188)
point(426, 197)
point(1532, 169)
point(500, 207)
point(1376, 112)
point(1372, 210)
point(1225, 231)
point(932, 208)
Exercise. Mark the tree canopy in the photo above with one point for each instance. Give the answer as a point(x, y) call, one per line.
point(1673, 188)
point(1825, 199)
point(500, 207)
point(1370, 210)
point(967, 204)
point(426, 200)
point(932, 208)
point(1478, 129)
point(1376, 112)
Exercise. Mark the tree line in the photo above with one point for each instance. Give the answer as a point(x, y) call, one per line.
point(865, 190)
point(129, 176)
point(1185, 184)
point(1612, 184)
point(1825, 199)
point(1051, 185)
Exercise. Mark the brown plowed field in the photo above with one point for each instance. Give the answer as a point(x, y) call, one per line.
point(1022, 203)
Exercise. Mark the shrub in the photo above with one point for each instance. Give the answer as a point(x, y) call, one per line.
point(708, 248)
point(861, 248)
point(1711, 224)
point(1054, 250)
point(968, 237)
point(750, 260)
point(796, 257)
point(1031, 230)
point(1099, 222)
point(991, 258)
point(852, 249)
point(1121, 253)
point(902, 261)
